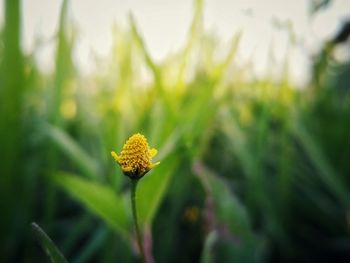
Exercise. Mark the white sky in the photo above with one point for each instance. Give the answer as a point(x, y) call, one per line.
point(164, 25)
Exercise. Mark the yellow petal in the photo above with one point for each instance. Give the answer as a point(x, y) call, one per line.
point(153, 152)
point(115, 156)
point(153, 165)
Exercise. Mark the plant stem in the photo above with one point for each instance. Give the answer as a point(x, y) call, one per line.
point(134, 214)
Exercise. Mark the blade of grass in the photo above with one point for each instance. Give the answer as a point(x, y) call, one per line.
point(223, 66)
point(155, 69)
point(228, 209)
point(259, 199)
point(63, 70)
point(210, 240)
point(11, 132)
point(63, 66)
point(152, 189)
point(80, 228)
point(194, 34)
point(327, 173)
point(92, 246)
point(48, 246)
point(75, 153)
point(99, 199)
point(231, 220)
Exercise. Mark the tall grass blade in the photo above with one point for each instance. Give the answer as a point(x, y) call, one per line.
point(193, 38)
point(72, 150)
point(98, 199)
point(155, 69)
point(224, 65)
point(63, 70)
point(93, 245)
point(327, 173)
point(207, 255)
point(152, 189)
point(232, 219)
point(11, 133)
point(227, 207)
point(48, 246)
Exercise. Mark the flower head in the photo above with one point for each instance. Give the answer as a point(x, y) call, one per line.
point(136, 156)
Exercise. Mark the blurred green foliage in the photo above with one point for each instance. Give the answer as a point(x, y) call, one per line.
point(252, 170)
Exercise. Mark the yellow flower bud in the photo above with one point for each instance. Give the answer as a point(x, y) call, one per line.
point(136, 157)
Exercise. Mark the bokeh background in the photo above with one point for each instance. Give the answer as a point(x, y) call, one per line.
point(247, 102)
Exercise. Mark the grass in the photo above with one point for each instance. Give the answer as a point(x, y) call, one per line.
point(264, 164)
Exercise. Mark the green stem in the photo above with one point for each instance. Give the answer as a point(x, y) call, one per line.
point(134, 214)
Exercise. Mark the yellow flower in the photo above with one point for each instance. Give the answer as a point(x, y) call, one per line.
point(136, 157)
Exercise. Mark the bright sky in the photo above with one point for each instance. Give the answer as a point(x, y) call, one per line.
point(164, 25)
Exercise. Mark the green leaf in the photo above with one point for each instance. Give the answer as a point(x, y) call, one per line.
point(222, 67)
point(194, 36)
point(48, 246)
point(155, 69)
point(152, 188)
point(327, 173)
point(93, 245)
point(209, 243)
point(98, 199)
point(144, 52)
point(226, 206)
point(68, 146)
point(231, 217)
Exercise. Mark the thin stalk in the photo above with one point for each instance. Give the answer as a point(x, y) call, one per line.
point(134, 214)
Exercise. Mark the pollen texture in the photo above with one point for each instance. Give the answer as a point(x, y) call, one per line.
point(135, 158)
